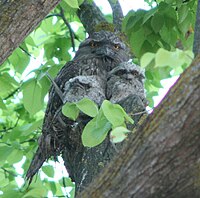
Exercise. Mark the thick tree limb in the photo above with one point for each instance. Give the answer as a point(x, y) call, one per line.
point(117, 14)
point(196, 46)
point(163, 158)
point(18, 19)
point(90, 16)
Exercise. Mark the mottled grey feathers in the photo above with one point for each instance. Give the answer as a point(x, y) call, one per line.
point(99, 70)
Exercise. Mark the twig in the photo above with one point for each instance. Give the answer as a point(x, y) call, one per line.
point(117, 14)
point(57, 89)
point(9, 172)
point(12, 93)
point(69, 27)
point(26, 52)
point(71, 32)
point(30, 140)
point(5, 143)
point(52, 15)
point(141, 112)
point(5, 130)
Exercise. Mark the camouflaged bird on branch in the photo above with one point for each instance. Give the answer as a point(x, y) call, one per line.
point(101, 69)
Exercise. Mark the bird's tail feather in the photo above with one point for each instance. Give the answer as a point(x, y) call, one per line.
point(39, 158)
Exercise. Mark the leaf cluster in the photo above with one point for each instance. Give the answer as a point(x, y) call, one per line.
point(154, 37)
point(109, 118)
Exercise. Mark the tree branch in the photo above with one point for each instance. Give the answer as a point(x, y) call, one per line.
point(117, 14)
point(90, 16)
point(18, 20)
point(69, 27)
point(196, 45)
point(71, 32)
point(9, 172)
point(12, 93)
point(162, 158)
point(10, 128)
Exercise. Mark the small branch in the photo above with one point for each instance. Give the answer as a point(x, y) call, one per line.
point(9, 172)
point(71, 32)
point(30, 140)
point(5, 143)
point(12, 93)
point(8, 129)
point(26, 52)
point(141, 112)
point(69, 27)
point(90, 16)
point(52, 15)
point(117, 14)
point(196, 45)
point(57, 89)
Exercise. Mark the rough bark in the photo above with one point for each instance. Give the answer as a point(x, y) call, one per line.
point(18, 19)
point(117, 14)
point(90, 16)
point(162, 159)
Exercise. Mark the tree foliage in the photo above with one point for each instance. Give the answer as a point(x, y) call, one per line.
point(161, 40)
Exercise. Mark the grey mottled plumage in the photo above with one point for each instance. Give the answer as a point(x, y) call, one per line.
point(97, 70)
point(124, 80)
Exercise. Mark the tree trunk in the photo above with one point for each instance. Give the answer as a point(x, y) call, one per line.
point(162, 159)
point(18, 19)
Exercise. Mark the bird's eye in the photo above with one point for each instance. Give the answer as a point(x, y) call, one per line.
point(116, 46)
point(93, 44)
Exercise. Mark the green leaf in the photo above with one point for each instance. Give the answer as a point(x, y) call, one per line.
point(5, 151)
point(7, 84)
point(66, 182)
point(72, 192)
point(11, 191)
point(182, 13)
point(4, 181)
point(115, 113)
point(2, 105)
point(118, 134)
point(19, 60)
point(168, 36)
point(129, 21)
point(48, 170)
point(52, 186)
point(15, 156)
point(147, 59)
point(70, 110)
point(96, 130)
point(27, 129)
point(72, 3)
point(88, 107)
point(157, 22)
point(29, 40)
point(173, 59)
point(32, 96)
point(149, 14)
point(185, 25)
point(164, 58)
point(45, 84)
point(39, 191)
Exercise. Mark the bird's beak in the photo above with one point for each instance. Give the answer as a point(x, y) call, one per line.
point(104, 51)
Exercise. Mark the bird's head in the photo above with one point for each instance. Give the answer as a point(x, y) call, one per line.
point(104, 44)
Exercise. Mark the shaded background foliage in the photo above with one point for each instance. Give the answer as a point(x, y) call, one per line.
point(154, 37)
